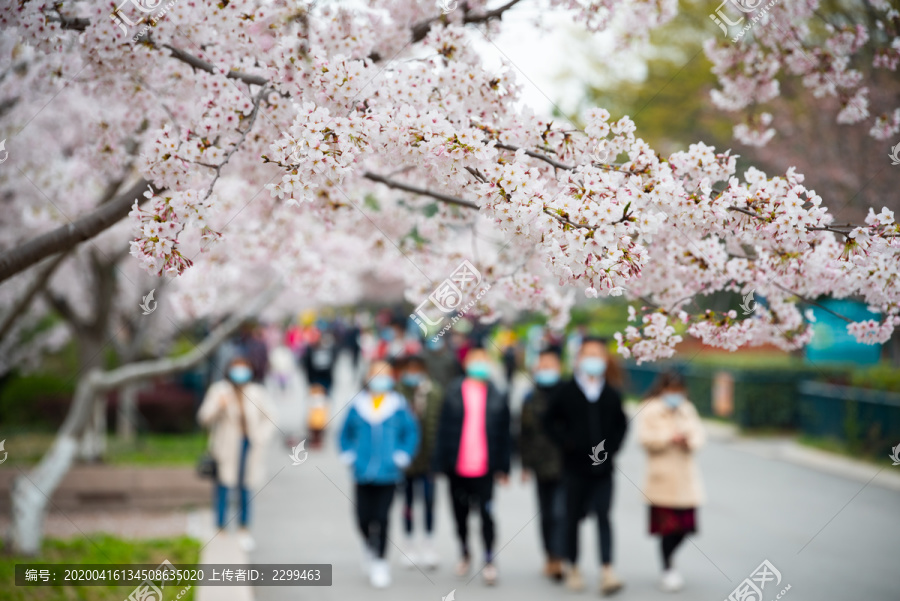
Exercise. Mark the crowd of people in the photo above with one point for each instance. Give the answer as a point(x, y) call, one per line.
point(442, 408)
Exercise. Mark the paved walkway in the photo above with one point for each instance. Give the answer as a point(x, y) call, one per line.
point(831, 536)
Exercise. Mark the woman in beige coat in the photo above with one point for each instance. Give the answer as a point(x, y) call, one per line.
point(670, 431)
point(240, 418)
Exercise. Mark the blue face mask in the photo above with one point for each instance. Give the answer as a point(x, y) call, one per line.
point(673, 399)
point(479, 370)
point(546, 377)
point(413, 379)
point(381, 383)
point(592, 366)
point(434, 345)
point(240, 374)
point(387, 334)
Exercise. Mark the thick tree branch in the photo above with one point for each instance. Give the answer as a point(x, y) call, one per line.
point(68, 236)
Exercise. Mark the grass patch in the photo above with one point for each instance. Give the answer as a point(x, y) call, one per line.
point(158, 449)
point(100, 549)
point(147, 449)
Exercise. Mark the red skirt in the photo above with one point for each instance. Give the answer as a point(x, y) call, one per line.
point(669, 520)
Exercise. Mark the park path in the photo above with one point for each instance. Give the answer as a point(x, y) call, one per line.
point(831, 537)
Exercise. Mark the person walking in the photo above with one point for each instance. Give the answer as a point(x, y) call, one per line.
point(441, 362)
point(670, 430)
point(425, 399)
point(319, 359)
point(473, 448)
point(378, 440)
point(241, 420)
point(542, 459)
point(587, 422)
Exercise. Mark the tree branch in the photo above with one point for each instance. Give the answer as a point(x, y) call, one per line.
point(68, 236)
point(421, 29)
point(536, 155)
point(407, 188)
point(62, 306)
point(36, 285)
point(202, 65)
point(149, 369)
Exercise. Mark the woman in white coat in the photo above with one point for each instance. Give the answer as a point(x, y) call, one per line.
point(670, 431)
point(240, 419)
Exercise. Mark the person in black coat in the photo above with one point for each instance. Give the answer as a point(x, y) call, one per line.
point(541, 457)
point(587, 422)
point(473, 448)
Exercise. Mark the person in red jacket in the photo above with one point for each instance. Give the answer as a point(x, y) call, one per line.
point(473, 449)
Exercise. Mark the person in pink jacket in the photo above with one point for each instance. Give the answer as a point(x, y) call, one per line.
point(670, 430)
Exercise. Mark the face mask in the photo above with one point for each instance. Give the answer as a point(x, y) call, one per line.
point(592, 366)
point(479, 370)
point(546, 377)
point(435, 345)
point(413, 379)
point(673, 399)
point(381, 383)
point(387, 335)
point(240, 374)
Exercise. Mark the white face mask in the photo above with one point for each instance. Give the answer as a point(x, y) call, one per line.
point(673, 399)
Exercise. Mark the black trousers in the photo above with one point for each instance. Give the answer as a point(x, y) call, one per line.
point(551, 501)
point(373, 504)
point(583, 495)
point(465, 492)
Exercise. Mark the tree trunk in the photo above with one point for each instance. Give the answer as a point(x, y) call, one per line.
point(92, 433)
point(92, 447)
point(31, 492)
point(127, 414)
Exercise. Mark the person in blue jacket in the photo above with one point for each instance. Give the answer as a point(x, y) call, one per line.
point(378, 440)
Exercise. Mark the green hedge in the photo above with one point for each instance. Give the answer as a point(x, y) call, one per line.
point(35, 400)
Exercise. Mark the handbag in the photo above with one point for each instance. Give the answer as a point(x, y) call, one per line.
point(207, 467)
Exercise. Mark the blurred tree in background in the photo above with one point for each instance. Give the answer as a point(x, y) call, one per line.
point(671, 107)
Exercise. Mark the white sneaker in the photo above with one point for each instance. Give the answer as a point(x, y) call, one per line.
point(408, 555)
point(429, 556)
point(380, 576)
point(671, 581)
point(246, 541)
